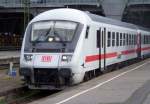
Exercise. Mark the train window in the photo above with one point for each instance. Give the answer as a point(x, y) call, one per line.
point(113, 38)
point(120, 39)
point(134, 39)
point(124, 39)
point(146, 39)
point(143, 39)
point(98, 38)
point(117, 39)
point(127, 39)
point(87, 32)
point(109, 39)
point(102, 39)
point(130, 40)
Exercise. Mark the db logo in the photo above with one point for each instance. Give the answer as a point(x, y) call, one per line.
point(46, 58)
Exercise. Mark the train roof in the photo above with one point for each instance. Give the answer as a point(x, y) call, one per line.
point(115, 22)
point(82, 17)
point(110, 21)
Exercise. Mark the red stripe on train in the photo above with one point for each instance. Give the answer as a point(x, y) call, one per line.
point(99, 57)
point(111, 55)
point(146, 48)
point(128, 52)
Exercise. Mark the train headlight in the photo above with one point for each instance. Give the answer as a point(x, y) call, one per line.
point(28, 57)
point(66, 58)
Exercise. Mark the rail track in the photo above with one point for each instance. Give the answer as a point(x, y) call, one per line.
point(21, 94)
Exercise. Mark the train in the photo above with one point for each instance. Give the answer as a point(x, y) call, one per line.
point(63, 47)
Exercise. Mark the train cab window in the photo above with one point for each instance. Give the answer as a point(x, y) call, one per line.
point(109, 39)
point(87, 32)
point(124, 39)
point(120, 39)
point(113, 38)
point(117, 39)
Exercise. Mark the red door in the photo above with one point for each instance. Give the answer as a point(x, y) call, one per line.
point(139, 45)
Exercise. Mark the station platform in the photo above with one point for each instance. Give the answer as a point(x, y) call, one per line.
point(129, 85)
point(9, 54)
point(7, 82)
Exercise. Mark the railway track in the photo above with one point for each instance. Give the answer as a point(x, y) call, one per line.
point(23, 95)
point(20, 94)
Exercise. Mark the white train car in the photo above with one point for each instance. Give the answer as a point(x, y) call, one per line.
point(66, 46)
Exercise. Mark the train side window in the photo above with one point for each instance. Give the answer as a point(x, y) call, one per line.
point(120, 39)
point(98, 38)
point(148, 39)
point(117, 39)
point(87, 32)
point(109, 39)
point(127, 40)
point(102, 39)
point(113, 38)
point(130, 40)
point(124, 39)
point(134, 39)
point(143, 39)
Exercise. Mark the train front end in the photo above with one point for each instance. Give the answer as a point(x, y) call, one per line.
point(47, 53)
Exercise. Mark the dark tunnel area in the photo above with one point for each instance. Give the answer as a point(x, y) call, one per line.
point(138, 14)
point(11, 30)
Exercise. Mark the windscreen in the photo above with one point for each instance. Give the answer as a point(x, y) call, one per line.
point(53, 31)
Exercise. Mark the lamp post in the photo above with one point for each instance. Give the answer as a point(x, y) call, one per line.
point(26, 7)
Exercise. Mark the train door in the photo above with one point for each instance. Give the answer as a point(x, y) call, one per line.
point(101, 44)
point(139, 45)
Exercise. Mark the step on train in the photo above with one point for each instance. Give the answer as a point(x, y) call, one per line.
point(63, 47)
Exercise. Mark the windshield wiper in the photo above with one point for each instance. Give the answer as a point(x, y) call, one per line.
point(43, 36)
